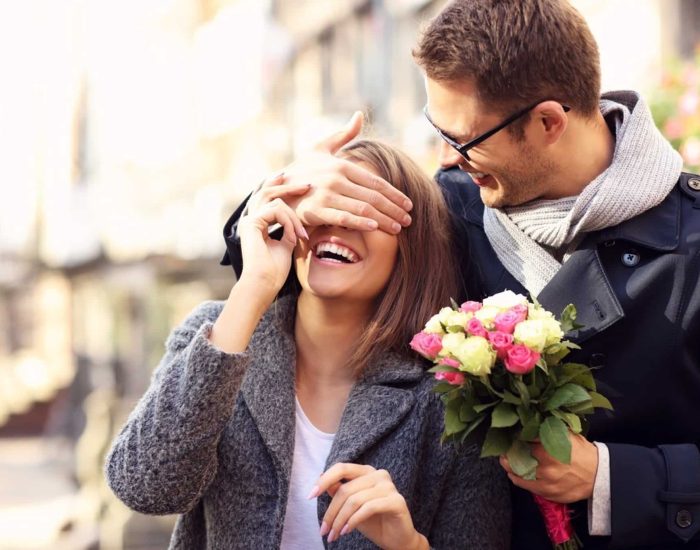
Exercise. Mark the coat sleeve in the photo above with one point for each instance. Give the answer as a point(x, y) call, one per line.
point(233, 256)
point(655, 494)
point(165, 456)
point(474, 509)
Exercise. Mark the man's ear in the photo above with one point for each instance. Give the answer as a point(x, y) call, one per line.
point(551, 120)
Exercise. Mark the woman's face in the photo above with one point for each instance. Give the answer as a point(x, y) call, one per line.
point(345, 263)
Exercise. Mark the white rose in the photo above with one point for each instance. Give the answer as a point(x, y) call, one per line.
point(433, 325)
point(451, 342)
point(532, 333)
point(476, 356)
point(534, 312)
point(505, 300)
point(486, 315)
point(553, 331)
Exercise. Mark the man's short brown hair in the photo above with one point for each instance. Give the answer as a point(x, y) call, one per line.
point(516, 51)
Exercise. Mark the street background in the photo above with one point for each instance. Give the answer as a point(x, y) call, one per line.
point(129, 131)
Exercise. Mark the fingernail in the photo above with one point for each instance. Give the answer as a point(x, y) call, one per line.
point(406, 220)
point(331, 536)
point(372, 224)
point(395, 227)
point(314, 489)
point(303, 232)
point(344, 530)
point(407, 205)
point(324, 529)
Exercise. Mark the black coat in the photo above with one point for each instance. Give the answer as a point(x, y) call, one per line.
point(636, 290)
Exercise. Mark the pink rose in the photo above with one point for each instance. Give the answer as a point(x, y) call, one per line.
point(476, 328)
point(521, 359)
point(520, 309)
point(427, 344)
point(506, 321)
point(454, 378)
point(501, 342)
point(470, 306)
point(449, 362)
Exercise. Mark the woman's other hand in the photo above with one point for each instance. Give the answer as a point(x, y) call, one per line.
point(266, 261)
point(366, 499)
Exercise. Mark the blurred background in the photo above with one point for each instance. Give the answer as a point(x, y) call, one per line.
point(129, 131)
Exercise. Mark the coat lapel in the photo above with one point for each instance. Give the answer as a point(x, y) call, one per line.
point(375, 406)
point(268, 386)
point(582, 281)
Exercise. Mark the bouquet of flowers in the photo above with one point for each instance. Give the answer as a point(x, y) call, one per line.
point(499, 365)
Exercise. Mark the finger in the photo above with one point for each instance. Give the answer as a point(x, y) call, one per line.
point(350, 131)
point(269, 194)
point(393, 502)
point(275, 179)
point(346, 492)
point(503, 460)
point(363, 210)
point(339, 218)
point(351, 505)
point(278, 212)
point(337, 473)
point(365, 178)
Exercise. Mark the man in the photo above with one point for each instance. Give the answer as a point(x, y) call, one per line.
point(570, 197)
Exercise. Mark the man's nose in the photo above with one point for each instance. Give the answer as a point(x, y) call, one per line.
point(448, 156)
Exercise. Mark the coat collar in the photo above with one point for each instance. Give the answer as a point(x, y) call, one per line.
point(376, 404)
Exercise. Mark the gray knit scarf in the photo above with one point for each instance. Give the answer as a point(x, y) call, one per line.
point(530, 238)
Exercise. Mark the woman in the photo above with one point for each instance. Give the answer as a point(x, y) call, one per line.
point(278, 421)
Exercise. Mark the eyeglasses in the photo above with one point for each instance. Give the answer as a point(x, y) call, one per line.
point(462, 148)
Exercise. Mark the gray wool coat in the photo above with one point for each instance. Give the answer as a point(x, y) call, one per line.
point(213, 439)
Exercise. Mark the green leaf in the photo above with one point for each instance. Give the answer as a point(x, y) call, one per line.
point(582, 408)
point(504, 416)
point(522, 390)
point(454, 304)
point(453, 424)
point(568, 319)
point(508, 397)
point(521, 460)
point(568, 394)
point(473, 426)
point(555, 353)
point(496, 443)
point(531, 428)
point(555, 439)
point(600, 401)
point(571, 419)
point(484, 406)
point(466, 411)
point(442, 387)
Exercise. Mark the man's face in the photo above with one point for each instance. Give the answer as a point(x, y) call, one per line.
point(508, 171)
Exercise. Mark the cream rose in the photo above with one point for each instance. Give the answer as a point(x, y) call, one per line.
point(476, 356)
point(505, 300)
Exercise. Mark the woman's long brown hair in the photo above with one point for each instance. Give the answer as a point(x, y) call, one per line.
point(425, 275)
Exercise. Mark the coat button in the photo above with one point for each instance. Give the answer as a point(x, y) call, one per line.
point(684, 519)
point(630, 258)
point(597, 360)
point(694, 184)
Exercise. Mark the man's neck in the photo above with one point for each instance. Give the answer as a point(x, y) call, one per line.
point(586, 152)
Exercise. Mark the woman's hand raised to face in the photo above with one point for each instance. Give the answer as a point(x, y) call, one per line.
point(343, 193)
point(366, 499)
point(266, 261)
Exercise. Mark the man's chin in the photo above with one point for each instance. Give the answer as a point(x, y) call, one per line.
point(491, 198)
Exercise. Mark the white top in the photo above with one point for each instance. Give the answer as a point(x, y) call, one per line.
point(301, 530)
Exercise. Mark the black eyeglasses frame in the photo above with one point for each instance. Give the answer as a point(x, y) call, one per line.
point(463, 148)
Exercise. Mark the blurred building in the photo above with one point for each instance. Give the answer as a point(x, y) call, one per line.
point(130, 132)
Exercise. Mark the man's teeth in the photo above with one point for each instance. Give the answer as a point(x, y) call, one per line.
point(337, 250)
point(477, 175)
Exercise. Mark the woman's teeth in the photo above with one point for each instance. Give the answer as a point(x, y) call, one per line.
point(327, 250)
point(477, 175)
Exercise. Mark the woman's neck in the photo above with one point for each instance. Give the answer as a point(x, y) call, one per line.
point(326, 333)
